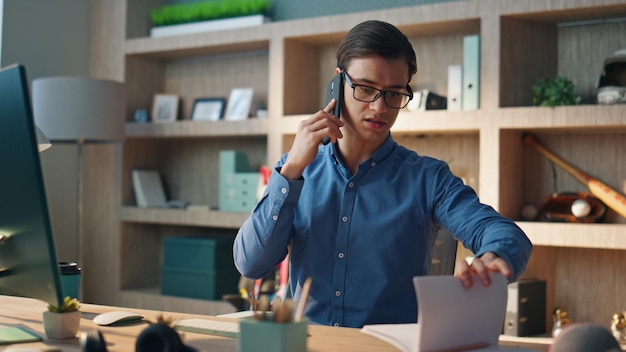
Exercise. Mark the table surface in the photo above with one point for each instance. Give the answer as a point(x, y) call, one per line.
point(26, 312)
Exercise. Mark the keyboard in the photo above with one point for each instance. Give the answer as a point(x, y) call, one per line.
point(208, 327)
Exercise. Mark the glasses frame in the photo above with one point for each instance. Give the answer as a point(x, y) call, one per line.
point(380, 93)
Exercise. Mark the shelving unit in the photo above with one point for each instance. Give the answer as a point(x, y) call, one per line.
point(288, 63)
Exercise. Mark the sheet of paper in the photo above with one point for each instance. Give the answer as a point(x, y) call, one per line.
point(450, 317)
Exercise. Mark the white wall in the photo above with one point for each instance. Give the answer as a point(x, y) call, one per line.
point(52, 38)
point(49, 37)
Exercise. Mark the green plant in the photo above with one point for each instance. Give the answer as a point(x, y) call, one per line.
point(555, 91)
point(69, 305)
point(207, 10)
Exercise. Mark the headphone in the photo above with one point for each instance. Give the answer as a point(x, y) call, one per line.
point(158, 337)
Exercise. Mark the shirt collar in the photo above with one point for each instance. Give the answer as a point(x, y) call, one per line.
point(379, 155)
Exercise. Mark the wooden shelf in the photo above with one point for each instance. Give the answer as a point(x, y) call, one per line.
point(151, 298)
point(564, 118)
point(570, 235)
point(203, 44)
point(187, 217)
point(521, 41)
point(187, 129)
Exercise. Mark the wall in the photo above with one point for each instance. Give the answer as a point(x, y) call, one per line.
point(51, 38)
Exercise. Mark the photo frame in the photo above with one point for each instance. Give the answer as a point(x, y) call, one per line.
point(208, 109)
point(239, 104)
point(164, 108)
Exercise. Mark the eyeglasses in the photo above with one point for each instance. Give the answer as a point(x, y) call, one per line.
point(367, 94)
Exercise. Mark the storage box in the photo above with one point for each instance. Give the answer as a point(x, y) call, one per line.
point(259, 335)
point(200, 284)
point(232, 161)
point(526, 308)
point(238, 191)
point(198, 253)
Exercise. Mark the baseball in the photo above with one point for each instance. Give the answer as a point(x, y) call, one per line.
point(580, 208)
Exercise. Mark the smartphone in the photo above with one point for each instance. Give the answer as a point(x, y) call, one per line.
point(334, 90)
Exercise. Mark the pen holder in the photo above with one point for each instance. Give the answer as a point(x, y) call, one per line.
point(267, 335)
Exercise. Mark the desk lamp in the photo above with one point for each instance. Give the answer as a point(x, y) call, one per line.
point(42, 141)
point(79, 111)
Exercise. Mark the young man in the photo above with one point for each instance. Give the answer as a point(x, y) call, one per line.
point(357, 215)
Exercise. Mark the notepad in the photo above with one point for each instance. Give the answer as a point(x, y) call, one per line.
point(451, 317)
point(16, 334)
point(149, 192)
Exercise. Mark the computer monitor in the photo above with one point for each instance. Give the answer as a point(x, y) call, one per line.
point(28, 260)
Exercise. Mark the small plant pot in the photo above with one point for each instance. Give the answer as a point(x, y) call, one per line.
point(61, 325)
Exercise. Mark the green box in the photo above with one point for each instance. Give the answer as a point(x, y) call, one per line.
point(233, 161)
point(200, 284)
point(263, 335)
point(198, 253)
point(238, 191)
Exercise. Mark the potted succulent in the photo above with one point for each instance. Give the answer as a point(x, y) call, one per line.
point(62, 322)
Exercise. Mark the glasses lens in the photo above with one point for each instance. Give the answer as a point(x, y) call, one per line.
point(368, 94)
point(365, 93)
point(396, 100)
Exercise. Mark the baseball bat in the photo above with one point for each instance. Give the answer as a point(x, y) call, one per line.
point(610, 197)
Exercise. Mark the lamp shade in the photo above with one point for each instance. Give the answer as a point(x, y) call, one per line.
point(79, 108)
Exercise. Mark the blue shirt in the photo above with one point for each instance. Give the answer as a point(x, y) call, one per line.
point(363, 237)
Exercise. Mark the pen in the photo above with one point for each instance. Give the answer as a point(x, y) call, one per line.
point(306, 288)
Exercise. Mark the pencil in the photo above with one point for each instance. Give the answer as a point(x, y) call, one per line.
point(306, 288)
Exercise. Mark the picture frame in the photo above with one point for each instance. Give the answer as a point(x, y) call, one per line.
point(164, 108)
point(208, 109)
point(239, 104)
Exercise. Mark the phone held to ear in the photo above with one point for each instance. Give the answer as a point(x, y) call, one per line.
point(334, 91)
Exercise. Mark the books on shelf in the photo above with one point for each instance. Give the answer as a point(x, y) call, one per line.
point(451, 317)
point(149, 192)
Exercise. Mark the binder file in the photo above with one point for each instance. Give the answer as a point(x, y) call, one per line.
point(471, 72)
point(455, 87)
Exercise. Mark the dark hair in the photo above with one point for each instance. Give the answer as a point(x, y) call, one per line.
point(376, 38)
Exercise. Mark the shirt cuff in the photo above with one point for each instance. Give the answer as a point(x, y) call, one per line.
point(283, 190)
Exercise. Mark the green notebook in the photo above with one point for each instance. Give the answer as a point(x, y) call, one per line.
point(10, 335)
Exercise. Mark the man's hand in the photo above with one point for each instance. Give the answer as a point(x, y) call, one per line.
point(481, 266)
point(308, 137)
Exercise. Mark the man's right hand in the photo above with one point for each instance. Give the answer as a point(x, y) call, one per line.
point(308, 137)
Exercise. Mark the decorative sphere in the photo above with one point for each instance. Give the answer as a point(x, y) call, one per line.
point(529, 212)
point(581, 208)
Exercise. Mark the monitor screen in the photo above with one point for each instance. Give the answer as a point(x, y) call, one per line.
point(28, 261)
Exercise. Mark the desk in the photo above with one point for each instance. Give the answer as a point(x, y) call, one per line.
point(18, 311)
point(28, 312)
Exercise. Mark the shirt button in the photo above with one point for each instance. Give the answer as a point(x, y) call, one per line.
point(337, 293)
point(336, 324)
point(344, 219)
point(283, 190)
point(274, 217)
point(340, 255)
point(351, 184)
point(373, 164)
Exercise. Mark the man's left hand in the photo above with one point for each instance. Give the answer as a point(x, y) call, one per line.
point(482, 266)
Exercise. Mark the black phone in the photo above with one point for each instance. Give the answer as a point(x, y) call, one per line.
point(335, 90)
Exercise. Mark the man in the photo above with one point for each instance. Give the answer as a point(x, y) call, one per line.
point(357, 215)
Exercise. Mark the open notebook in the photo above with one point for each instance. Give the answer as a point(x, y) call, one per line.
point(450, 317)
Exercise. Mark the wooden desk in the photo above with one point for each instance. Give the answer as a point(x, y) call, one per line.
point(17, 311)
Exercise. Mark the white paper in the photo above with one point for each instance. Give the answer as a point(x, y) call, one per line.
point(451, 316)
